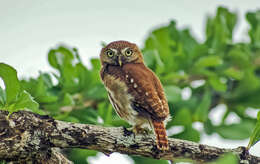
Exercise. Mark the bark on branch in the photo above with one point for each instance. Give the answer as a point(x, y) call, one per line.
point(26, 136)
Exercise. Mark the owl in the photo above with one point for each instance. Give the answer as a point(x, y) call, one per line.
point(134, 90)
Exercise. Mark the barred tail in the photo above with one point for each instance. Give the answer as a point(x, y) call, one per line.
point(161, 136)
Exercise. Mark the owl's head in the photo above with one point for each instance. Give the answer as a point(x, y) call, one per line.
point(120, 52)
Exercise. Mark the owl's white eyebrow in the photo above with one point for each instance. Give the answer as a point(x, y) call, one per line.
point(123, 50)
point(115, 50)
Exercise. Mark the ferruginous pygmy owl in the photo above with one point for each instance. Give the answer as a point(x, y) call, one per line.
point(134, 90)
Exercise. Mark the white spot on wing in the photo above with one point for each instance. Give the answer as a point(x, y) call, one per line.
point(131, 80)
point(135, 85)
point(154, 104)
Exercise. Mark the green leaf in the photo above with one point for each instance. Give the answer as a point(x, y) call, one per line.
point(40, 88)
point(239, 56)
point(234, 73)
point(25, 101)
point(209, 61)
point(95, 64)
point(85, 115)
point(116, 121)
point(80, 156)
point(97, 92)
point(84, 76)
point(152, 59)
point(226, 159)
point(217, 84)
point(236, 131)
point(60, 56)
point(170, 48)
point(66, 117)
point(53, 59)
point(12, 86)
point(182, 117)
point(201, 113)
point(174, 78)
point(3, 162)
point(2, 97)
point(67, 100)
point(64, 60)
point(144, 160)
point(220, 28)
point(46, 77)
point(255, 136)
point(149, 59)
point(250, 99)
point(248, 85)
point(173, 93)
point(105, 112)
point(16, 99)
point(189, 133)
point(253, 19)
point(159, 40)
point(184, 40)
point(209, 127)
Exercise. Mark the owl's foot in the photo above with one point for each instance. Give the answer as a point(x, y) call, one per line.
point(139, 130)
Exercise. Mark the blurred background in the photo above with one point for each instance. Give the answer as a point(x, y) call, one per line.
point(202, 52)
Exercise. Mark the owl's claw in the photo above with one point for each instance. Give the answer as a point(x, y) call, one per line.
point(138, 130)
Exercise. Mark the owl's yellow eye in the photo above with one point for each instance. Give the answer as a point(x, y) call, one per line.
point(110, 53)
point(128, 52)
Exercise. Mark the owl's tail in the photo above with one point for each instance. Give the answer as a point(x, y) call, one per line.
point(161, 136)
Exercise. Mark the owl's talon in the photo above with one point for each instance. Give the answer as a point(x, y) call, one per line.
point(132, 130)
point(127, 131)
point(138, 130)
point(147, 131)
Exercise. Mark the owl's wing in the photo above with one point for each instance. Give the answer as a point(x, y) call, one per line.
point(147, 91)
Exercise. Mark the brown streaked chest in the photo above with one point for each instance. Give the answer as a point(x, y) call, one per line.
point(117, 88)
point(119, 96)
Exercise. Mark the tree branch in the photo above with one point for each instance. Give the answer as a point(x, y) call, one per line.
point(25, 136)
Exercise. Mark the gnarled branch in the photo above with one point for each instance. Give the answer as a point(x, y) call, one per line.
point(26, 136)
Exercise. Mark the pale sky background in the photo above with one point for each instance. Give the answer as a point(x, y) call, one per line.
point(28, 28)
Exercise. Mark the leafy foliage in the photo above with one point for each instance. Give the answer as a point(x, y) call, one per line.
point(227, 159)
point(255, 137)
point(9, 76)
point(148, 160)
point(13, 98)
point(228, 73)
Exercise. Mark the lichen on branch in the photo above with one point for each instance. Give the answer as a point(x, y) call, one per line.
point(29, 137)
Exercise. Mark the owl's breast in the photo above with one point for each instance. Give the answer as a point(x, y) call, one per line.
point(120, 98)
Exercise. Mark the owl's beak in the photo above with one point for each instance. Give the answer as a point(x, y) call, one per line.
point(119, 61)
